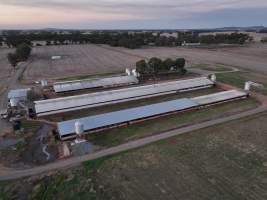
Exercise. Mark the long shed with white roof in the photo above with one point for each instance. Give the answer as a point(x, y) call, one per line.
point(115, 81)
point(65, 104)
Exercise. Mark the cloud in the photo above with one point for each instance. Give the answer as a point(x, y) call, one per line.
point(60, 11)
point(138, 6)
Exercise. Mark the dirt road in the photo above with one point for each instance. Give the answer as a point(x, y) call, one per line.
point(9, 174)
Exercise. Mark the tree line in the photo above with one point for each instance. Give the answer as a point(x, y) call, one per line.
point(116, 38)
point(233, 38)
point(155, 66)
point(264, 40)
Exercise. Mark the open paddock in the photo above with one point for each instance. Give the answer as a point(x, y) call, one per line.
point(76, 60)
point(90, 59)
point(252, 57)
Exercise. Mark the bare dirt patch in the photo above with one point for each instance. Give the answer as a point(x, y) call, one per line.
point(76, 60)
point(90, 59)
point(251, 57)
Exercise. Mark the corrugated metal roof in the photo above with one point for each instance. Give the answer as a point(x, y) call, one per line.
point(99, 121)
point(59, 105)
point(94, 83)
point(19, 93)
point(217, 97)
point(107, 119)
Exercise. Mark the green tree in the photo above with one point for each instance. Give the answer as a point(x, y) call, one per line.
point(180, 63)
point(141, 67)
point(167, 64)
point(13, 59)
point(264, 40)
point(1, 41)
point(154, 65)
point(23, 51)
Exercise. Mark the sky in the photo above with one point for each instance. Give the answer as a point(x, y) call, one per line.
point(131, 14)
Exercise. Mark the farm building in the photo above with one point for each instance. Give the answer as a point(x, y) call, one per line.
point(55, 57)
point(65, 104)
point(15, 96)
point(68, 86)
point(67, 130)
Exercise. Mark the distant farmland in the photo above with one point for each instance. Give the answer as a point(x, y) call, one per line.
point(90, 59)
point(251, 57)
point(76, 60)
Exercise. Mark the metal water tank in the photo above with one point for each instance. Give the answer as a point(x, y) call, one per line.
point(79, 128)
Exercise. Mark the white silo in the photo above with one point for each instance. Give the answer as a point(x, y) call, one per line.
point(247, 86)
point(44, 83)
point(128, 71)
point(213, 78)
point(135, 73)
point(79, 128)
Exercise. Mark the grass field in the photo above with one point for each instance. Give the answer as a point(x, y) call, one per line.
point(212, 68)
point(90, 76)
point(228, 161)
point(238, 79)
point(118, 136)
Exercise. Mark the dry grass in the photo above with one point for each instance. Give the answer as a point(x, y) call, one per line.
point(90, 59)
point(76, 60)
point(251, 57)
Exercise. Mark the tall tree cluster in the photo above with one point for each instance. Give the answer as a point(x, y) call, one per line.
point(233, 38)
point(126, 39)
point(156, 66)
point(22, 53)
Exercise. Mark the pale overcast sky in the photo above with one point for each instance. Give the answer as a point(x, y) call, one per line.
point(135, 14)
